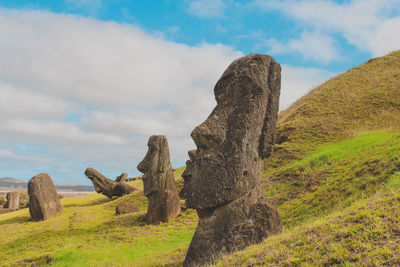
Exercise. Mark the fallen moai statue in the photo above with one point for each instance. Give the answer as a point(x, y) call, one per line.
point(43, 198)
point(12, 200)
point(107, 186)
point(222, 180)
point(158, 182)
point(123, 178)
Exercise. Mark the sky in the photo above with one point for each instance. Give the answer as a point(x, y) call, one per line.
point(87, 82)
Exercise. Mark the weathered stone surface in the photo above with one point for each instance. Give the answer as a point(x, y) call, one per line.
point(223, 176)
point(126, 207)
point(43, 198)
point(158, 182)
point(107, 186)
point(123, 178)
point(12, 200)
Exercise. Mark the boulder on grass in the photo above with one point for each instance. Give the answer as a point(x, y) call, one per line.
point(44, 202)
point(126, 207)
point(12, 200)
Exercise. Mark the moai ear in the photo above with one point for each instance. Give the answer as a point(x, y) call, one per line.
point(268, 133)
point(163, 156)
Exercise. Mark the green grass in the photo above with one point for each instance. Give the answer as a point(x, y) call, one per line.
point(334, 152)
point(366, 233)
point(88, 233)
point(333, 176)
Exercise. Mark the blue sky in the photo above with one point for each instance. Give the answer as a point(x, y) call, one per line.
point(85, 83)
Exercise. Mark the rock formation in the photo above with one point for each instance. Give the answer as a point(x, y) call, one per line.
point(126, 207)
point(223, 176)
point(43, 198)
point(107, 186)
point(158, 182)
point(12, 200)
point(123, 178)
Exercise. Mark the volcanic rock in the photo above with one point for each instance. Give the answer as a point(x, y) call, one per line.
point(158, 182)
point(126, 207)
point(43, 198)
point(223, 177)
point(12, 200)
point(123, 178)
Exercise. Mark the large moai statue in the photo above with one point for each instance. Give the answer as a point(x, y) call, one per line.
point(12, 200)
point(158, 182)
point(43, 198)
point(108, 187)
point(223, 176)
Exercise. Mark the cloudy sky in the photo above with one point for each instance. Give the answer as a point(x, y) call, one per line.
point(86, 82)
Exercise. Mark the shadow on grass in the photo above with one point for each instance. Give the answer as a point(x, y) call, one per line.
point(92, 203)
point(17, 219)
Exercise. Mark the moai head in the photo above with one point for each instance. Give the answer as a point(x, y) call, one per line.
point(155, 162)
point(237, 135)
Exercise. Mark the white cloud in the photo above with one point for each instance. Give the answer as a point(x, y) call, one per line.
point(126, 14)
point(207, 8)
point(10, 156)
point(297, 81)
point(220, 29)
point(55, 132)
point(126, 84)
point(92, 6)
point(312, 45)
point(360, 22)
point(19, 101)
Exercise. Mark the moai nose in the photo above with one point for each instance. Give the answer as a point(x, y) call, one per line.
point(205, 136)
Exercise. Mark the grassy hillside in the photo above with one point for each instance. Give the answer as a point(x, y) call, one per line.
point(365, 98)
point(335, 178)
point(88, 233)
point(367, 233)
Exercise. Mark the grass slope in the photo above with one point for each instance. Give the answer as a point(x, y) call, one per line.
point(335, 178)
point(88, 233)
point(365, 98)
point(367, 233)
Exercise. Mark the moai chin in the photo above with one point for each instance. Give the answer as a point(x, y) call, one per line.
point(158, 182)
point(223, 176)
